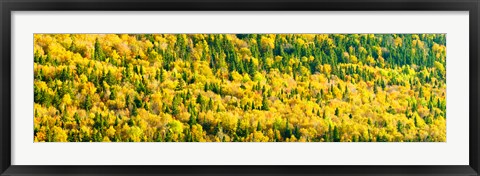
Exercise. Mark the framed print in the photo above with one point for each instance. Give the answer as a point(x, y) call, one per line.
point(318, 87)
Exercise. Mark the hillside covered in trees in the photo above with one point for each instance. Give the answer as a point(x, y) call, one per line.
point(239, 87)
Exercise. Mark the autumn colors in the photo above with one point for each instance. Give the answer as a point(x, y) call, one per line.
point(239, 88)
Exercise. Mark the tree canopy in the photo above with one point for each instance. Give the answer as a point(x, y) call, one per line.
point(239, 87)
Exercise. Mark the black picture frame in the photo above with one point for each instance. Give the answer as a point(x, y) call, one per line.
point(8, 6)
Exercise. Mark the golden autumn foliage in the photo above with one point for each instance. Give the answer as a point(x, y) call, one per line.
point(239, 87)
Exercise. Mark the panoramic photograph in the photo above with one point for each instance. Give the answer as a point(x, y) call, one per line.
point(239, 87)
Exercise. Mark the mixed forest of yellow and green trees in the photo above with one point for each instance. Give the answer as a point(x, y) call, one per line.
point(239, 87)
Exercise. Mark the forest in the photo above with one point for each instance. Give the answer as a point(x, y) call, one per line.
point(239, 88)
